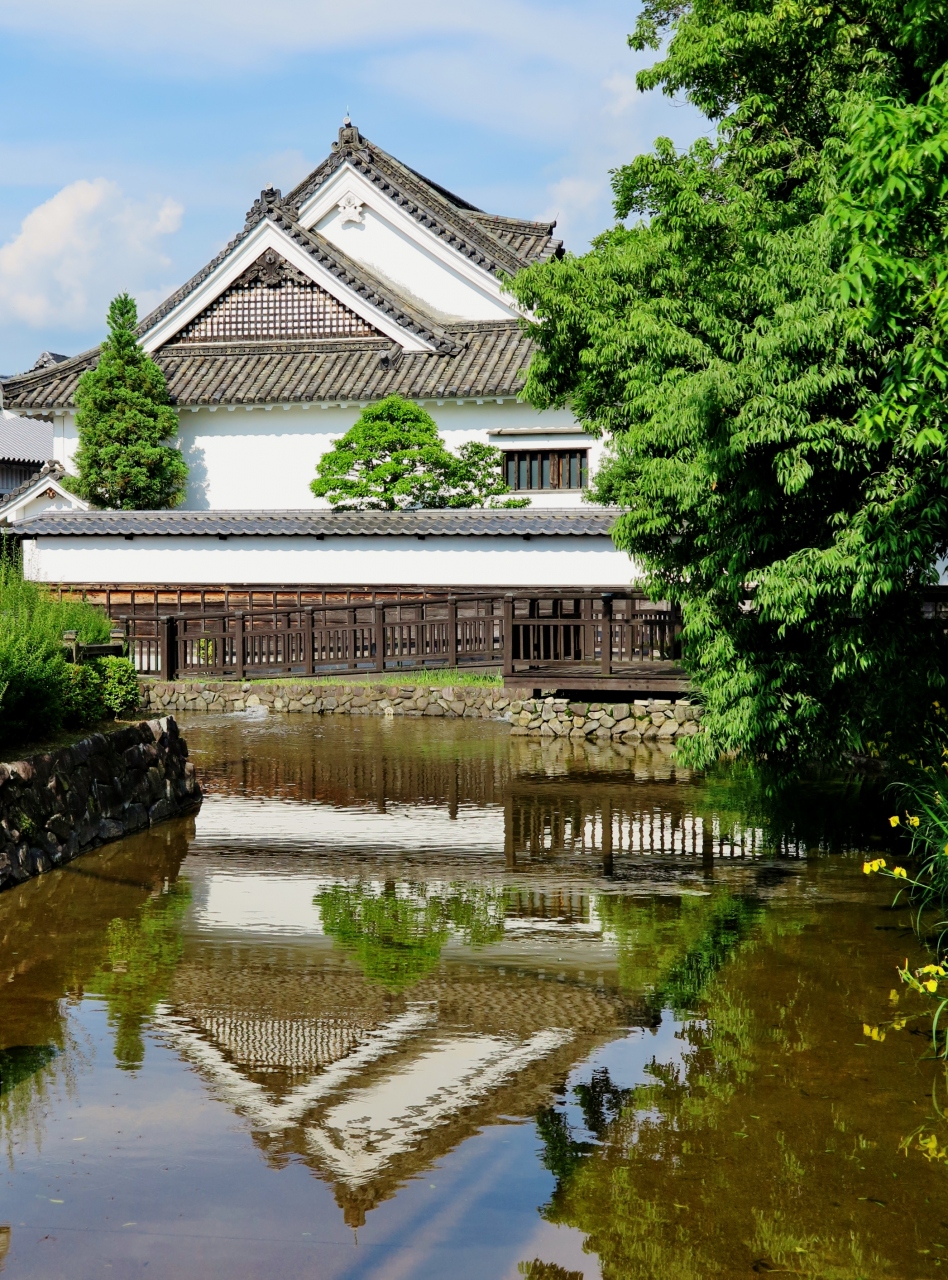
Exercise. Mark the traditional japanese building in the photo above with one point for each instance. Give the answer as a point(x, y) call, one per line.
point(366, 279)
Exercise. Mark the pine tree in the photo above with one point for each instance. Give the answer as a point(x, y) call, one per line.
point(124, 418)
point(392, 459)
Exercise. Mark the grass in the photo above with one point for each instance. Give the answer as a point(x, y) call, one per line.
point(433, 678)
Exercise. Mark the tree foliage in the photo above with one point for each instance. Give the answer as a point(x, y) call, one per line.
point(125, 420)
point(764, 348)
point(392, 459)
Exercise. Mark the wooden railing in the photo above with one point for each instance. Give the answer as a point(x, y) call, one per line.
point(517, 633)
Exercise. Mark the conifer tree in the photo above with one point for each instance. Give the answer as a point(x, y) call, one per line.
point(125, 419)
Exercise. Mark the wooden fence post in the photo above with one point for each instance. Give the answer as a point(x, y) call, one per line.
point(452, 649)
point(351, 614)
point(606, 633)
point(166, 644)
point(508, 635)
point(380, 637)
point(308, 627)
point(239, 655)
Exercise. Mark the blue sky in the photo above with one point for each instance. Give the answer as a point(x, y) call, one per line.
point(133, 137)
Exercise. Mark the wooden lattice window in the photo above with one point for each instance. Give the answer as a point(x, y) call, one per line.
point(274, 300)
point(547, 469)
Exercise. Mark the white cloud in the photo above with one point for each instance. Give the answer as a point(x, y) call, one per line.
point(78, 249)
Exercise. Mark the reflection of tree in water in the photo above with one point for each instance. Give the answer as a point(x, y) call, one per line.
point(142, 954)
point(669, 948)
point(661, 1178)
point(30, 1077)
point(537, 1270)
point(6, 1233)
point(396, 932)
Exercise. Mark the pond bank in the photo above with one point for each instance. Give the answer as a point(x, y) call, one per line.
point(58, 804)
point(641, 720)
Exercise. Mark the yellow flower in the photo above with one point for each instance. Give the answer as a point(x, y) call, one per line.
point(931, 985)
point(913, 821)
point(900, 873)
point(875, 865)
point(894, 820)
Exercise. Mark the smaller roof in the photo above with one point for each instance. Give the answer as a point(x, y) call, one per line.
point(48, 478)
point(522, 522)
point(24, 439)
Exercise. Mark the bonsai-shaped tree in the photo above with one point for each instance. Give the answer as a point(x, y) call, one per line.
point(393, 459)
point(125, 419)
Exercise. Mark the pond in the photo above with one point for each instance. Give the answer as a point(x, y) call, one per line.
point(412, 999)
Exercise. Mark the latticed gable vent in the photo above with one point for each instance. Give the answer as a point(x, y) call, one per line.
point(274, 300)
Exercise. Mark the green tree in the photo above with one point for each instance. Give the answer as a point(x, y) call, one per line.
point(124, 419)
point(392, 458)
point(753, 346)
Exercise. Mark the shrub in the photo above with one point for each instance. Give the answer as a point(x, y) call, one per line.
point(37, 691)
point(82, 701)
point(120, 691)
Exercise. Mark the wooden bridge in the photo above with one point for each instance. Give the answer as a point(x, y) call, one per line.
point(615, 641)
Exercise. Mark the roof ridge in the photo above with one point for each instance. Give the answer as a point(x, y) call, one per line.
point(459, 217)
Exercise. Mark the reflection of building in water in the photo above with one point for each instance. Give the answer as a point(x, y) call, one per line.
point(365, 1085)
point(610, 822)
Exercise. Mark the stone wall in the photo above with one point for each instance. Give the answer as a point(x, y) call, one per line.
point(65, 802)
point(654, 718)
point(645, 720)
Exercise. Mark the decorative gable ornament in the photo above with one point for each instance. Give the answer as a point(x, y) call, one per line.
point(351, 209)
point(273, 300)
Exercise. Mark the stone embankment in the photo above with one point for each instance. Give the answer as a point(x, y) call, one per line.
point(647, 719)
point(60, 804)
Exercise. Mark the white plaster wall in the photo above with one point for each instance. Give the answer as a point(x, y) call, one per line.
point(242, 459)
point(263, 459)
point(554, 561)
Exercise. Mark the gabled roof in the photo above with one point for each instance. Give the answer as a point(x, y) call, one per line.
point(585, 522)
point(382, 296)
point(48, 477)
point(477, 235)
point(456, 359)
point(24, 439)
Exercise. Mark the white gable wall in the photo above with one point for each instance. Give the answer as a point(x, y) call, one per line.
point(391, 243)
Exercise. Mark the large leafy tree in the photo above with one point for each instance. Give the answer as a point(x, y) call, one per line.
point(392, 458)
point(125, 421)
point(763, 346)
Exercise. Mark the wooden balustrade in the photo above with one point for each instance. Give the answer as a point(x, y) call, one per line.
point(523, 634)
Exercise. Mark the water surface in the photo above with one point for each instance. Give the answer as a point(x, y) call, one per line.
point(422, 1000)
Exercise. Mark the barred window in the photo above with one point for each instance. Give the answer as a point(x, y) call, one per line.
point(547, 469)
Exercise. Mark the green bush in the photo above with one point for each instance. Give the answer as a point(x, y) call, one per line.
point(38, 691)
point(120, 691)
point(82, 701)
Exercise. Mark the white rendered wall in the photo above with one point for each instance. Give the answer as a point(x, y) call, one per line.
point(554, 561)
point(242, 459)
point(264, 459)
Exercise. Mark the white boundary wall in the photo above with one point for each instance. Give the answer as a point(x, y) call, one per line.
point(544, 560)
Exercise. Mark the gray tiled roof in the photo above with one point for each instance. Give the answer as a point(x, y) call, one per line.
point(24, 439)
point(491, 360)
point(527, 522)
